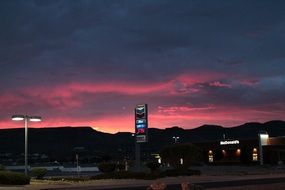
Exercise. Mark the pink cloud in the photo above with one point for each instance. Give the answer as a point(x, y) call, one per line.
point(249, 82)
point(220, 84)
point(200, 77)
point(176, 110)
point(50, 100)
point(67, 96)
point(11, 100)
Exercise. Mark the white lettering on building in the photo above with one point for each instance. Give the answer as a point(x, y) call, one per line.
point(229, 142)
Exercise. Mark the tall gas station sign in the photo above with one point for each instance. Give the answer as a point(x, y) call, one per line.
point(141, 123)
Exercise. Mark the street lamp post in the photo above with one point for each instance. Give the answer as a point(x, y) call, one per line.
point(26, 118)
point(175, 139)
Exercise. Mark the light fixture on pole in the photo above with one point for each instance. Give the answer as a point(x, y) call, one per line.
point(26, 118)
point(175, 139)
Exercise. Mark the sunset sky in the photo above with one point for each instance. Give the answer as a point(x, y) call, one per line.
point(194, 62)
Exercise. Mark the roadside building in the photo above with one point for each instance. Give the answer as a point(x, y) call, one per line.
point(245, 151)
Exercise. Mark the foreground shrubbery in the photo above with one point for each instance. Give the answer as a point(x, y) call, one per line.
point(13, 178)
point(2, 168)
point(39, 173)
point(70, 179)
point(107, 167)
point(153, 166)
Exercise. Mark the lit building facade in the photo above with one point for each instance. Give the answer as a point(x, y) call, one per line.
point(247, 151)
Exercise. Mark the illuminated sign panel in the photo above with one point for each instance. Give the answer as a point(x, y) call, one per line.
point(141, 126)
point(141, 123)
point(227, 142)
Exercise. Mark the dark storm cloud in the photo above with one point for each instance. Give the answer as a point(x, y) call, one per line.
point(121, 34)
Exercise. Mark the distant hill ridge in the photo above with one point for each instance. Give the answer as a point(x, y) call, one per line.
point(62, 140)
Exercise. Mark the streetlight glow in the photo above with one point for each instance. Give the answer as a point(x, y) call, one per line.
point(18, 117)
point(175, 139)
point(35, 118)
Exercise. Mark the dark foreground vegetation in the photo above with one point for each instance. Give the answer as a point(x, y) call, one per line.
point(13, 178)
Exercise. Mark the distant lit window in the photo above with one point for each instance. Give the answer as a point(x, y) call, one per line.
point(238, 152)
point(159, 160)
point(211, 158)
point(254, 154)
point(254, 157)
point(181, 161)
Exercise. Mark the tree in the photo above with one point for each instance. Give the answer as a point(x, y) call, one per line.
point(173, 154)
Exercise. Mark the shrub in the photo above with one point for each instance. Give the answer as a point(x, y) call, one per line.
point(13, 178)
point(2, 168)
point(107, 167)
point(120, 167)
point(153, 166)
point(70, 179)
point(39, 173)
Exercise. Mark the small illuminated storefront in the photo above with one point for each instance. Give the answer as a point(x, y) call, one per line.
point(235, 151)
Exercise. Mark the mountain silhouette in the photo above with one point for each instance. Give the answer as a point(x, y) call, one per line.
point(63, 142)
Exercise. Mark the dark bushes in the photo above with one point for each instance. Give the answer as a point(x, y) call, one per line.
point(153, 166)
point(106, 167)
point(39, 173)
point(2, 168)
point(70, 179)
point(13, 178)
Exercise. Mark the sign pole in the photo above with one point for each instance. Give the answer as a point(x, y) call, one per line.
point(138, 157)
point(141, 131)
